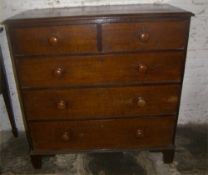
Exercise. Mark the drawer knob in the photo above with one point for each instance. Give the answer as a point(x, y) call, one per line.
point(142, 68)
point(139, 133)
point(143, 36)
point(58, 72)
point(141, 102)
point(65, 136)
point(53, 40)
point(61, 105)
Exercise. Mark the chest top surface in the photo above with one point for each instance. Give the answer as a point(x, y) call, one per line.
point(140, 10)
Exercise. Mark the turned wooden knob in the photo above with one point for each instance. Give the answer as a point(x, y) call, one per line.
point(141, 102)
point(66, 136)
point(142, 68)
point(58, 72)
point(61, 105)
point(143, 36)
point(139, 133)
point(53, 40)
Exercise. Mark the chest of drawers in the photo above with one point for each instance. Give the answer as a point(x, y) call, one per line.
point(100, 78)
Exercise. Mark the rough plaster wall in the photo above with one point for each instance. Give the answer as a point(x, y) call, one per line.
point(194, 105)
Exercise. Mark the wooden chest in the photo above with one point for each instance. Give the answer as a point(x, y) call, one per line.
point(100, 78)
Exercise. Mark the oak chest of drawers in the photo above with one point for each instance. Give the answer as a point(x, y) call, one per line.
point(100, 78)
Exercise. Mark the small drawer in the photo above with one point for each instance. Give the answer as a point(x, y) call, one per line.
point(88, 103)
point(102, 134)
point(100, 70)
point(154, 35)
point(55, 40)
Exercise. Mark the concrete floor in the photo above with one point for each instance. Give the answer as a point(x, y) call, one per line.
point(191, 158)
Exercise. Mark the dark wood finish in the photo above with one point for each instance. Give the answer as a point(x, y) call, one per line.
point(4, 89)
point(95, 78)
point(36, 161)
point(152, 35)
point(99, 70)
point(101, 102)
point(55, 40)
point(111, 11)
point(168, 155)
point(102, 134)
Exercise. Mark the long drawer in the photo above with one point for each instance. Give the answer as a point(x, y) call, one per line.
point(51, 40)
point(87, 103)
point(102, 134)
point(152, 35)
point(98, 70)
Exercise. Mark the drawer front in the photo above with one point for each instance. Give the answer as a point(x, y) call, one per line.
point(55, 40)
point(101, 102)
point(102, 134)
point(96, 70)
point(152, 35)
